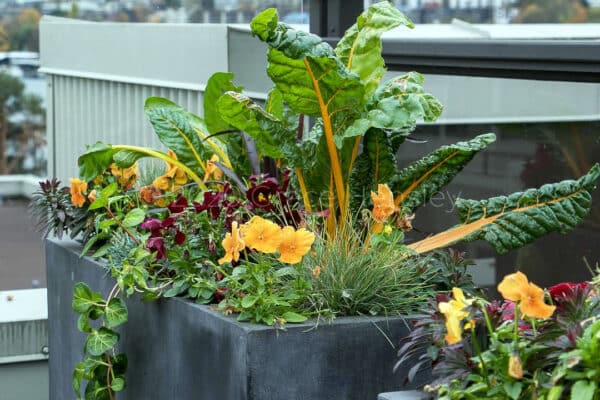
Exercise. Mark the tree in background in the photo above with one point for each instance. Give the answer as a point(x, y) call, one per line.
point(11, 96)
point(23, 30)
point(550, 11)
point(4, 44)
point(30, 136)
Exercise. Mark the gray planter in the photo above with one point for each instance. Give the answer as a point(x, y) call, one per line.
point(181, 350)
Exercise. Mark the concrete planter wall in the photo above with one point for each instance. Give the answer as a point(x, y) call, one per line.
point(181, 350)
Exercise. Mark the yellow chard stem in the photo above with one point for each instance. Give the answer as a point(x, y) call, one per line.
point(165, 158)
point(336, 167)
point(305, 197)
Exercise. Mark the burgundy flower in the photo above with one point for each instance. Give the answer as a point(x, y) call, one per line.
point(157, 244)
point(178, 205)
point(565, 290)
point(152, 224)
point(168, 222)
point(212, 203)
point(259, 195)
point(220, 293)
point(179, 237)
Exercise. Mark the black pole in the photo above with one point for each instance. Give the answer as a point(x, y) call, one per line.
point(331, 18)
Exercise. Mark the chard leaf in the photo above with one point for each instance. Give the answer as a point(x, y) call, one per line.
point(416, 183)
point(268, 132)
point(360, 48)
point(218, 83)
point(376, 164)
point(95, 160)
point(174, 129)
point(397, 106)
point(509, 222)
point(312, 81)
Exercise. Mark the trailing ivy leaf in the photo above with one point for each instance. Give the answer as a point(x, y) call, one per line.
point(115, 313)
point(508, 222)
point(84, 298)
point(397, 106)
point(100, 341)
point(134, 217)
point(376, 164)
point(95, 160)
point(78, 376)
point(173, 128)
point(218, 83)
point(119, 363)
point(96, 391)
point(117, 384)
point(83, 323)
point(241, 112)
point(360, 48)
point(415, 184)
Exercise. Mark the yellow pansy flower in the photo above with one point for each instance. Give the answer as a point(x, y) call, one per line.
point(294, 244)
point(262, 235)
point(455, 312)
point(233, 244)
point(126, 177)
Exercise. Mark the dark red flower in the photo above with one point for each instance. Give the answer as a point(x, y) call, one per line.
point(565, 290)
point(178, 205)
point(168, 222)
point(212, 203)
point(179, 237)
point(157, 244)
point(152, 224)
point(260, 195)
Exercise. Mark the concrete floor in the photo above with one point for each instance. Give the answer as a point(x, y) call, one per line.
point(22, 263)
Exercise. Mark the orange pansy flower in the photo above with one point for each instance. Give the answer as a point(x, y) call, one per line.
point(294, 244)
point(78, 189)
point(383, 203)
point(212, 169)
point(512, 286)
point(515, 368)
point(516, 287)
point(262, 235)
point(233, 244)
point(126, 177)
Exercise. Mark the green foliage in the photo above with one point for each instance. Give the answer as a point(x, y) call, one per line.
point(264, 294)
point(347, 279)
point(218, 83)
point(360, 48)
point(579, 370)
point(102, 368)
point(416, 183)
point(525, 216)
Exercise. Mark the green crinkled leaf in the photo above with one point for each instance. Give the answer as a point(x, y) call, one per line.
point(83, 323)
point(218, 83)
point(96, 391)
point(360, 48)
point(117, 384)
point(95, 160)
point(376, 164)
point(115, 313)
point(268, 132)
point(100, 341)
point(522, 217)
point(175, 130)
point(415, 184)
point(274, 104)
point(397, 106)
point(311, 79)
point(84, 298)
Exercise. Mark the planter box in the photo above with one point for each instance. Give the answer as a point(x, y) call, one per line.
point(181, 350)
